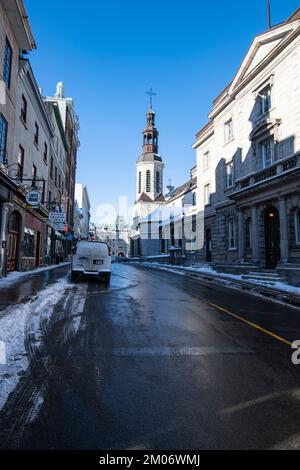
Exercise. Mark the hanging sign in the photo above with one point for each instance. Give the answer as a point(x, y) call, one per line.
point(57, 217)
point(33, 198)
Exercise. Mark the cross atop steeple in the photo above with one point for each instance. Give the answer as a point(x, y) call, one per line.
point(151, 93)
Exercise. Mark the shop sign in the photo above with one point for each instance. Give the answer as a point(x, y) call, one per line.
point(33, 198)
point(57, 217)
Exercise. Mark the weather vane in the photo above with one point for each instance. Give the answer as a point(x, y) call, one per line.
point(151, 93)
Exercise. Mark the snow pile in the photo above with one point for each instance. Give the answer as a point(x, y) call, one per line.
point(16, 276)
point(21, 322)
point(208, 270)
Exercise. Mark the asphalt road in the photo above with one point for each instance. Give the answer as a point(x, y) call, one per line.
point(158, 361)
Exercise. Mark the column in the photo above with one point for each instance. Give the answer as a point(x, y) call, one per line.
point(6, 208)
point(254, 235)
point(241, 234)
point(284, 234)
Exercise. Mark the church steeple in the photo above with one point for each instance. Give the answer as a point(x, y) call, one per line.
point(149, 166)
point(150, 134)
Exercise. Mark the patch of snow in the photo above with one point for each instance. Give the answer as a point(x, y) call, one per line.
point(13, 323)
point(14, 277)
point(280, 286)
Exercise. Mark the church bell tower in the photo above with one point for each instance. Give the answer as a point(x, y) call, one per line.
point(149, 166)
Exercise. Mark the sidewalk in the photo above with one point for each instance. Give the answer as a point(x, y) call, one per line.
point(18, 287)
point(281, 291)
point(20, 276)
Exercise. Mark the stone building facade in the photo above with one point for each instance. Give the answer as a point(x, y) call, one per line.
point(15, 36)
point(248, 159)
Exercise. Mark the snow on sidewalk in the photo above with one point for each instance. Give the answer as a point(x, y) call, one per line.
point(13, 323)
point(208, 270)
point(16, 276)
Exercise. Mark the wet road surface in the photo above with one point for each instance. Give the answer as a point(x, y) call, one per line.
point(157, 361)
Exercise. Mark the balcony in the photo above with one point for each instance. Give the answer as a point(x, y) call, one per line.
point(277, 169)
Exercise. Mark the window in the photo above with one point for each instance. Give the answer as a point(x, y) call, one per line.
point(148, 181)
point(157, 182)
point(194, 223)
point(21, 163)
point(51, 168)
point(248, 234)
point(266, 153)
point(7, 63)
point(228, 131)
point(29, 243)
point(23, 115)
point(297, 226)
point(36, 135)
point(59, 181)
point(229, 175)
point(45, 152)
point(34, 173)
point(55, 176)
point(206, 194)
point(3, 138)
point(206, 161)
point(194, 198)
point(265, 100)
point(140, 182)
point(231, 234)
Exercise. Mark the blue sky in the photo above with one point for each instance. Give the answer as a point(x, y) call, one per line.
point(110, 52)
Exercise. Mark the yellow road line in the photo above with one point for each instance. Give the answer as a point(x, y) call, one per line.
point(254, 325)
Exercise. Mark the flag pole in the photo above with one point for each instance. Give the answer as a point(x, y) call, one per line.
point(269, 14)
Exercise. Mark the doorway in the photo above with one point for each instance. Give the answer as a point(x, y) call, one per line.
point(272, 237)
point(13, 241)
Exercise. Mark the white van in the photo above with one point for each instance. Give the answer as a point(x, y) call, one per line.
point(91, 259)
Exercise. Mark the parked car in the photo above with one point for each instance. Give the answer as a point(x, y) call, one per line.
point(91, 259)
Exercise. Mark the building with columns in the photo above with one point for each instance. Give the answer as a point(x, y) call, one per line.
point(248, 159)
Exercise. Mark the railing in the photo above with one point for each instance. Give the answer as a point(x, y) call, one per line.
point(273, 170)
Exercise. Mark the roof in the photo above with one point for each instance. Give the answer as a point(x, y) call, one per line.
point(144, 198)
point(183, 189)
point(149, 157)
point(18, 19)
point(160, 198)
point(294, 16)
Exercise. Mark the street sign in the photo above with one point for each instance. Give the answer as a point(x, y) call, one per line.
point(33, 198)
point(57, 217)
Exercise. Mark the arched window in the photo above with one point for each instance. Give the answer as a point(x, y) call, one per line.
point(149, 139)
point(140, 182)
point(145, 139)
point(248, 235)
point(148, 181)
point(157, 182)
point(232, 241)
